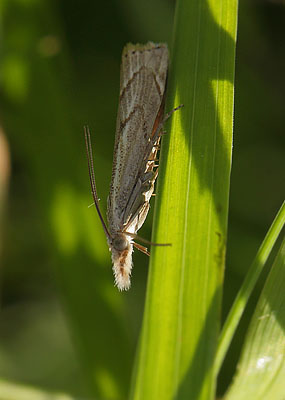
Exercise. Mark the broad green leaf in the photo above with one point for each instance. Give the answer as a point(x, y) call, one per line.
point(182, 309)
point(261, 369)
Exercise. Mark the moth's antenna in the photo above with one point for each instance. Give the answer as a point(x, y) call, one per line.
point(92, 178)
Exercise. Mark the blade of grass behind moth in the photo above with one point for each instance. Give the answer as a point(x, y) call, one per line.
point(262, 368)
point(182, 310)
point(245, 291)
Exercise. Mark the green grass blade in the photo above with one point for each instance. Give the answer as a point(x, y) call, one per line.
point(262, 368)
point(182, 310)
point(248, 286)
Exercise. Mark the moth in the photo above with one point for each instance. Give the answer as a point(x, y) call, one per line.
point(139, 128)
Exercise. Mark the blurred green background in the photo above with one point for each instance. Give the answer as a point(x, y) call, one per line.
point(64, 326)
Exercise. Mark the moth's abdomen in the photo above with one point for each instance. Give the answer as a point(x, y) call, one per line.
point(122, 266)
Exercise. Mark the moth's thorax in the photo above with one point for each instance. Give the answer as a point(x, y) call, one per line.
point(121, 248)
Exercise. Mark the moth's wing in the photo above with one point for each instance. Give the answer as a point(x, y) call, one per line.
point(142, 87)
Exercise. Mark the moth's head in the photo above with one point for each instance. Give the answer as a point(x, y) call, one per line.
point(120, 242)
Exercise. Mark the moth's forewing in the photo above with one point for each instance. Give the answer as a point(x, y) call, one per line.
point(141, 107)
point(142, 86)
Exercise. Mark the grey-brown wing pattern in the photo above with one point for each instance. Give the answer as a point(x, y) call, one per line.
point(142, 87)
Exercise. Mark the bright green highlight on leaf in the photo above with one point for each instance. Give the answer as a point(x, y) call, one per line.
point(106, 383)
point(63, 207)
point(14, 391)
point(15, 77)
point(75, 223)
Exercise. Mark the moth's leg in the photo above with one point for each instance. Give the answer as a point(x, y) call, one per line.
point(137, 218)
point(135, 236)
point(141, 248)
point(157, 131)
point(168, 115)
point(135, 201)
point(141, 194)
point(136, 222)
